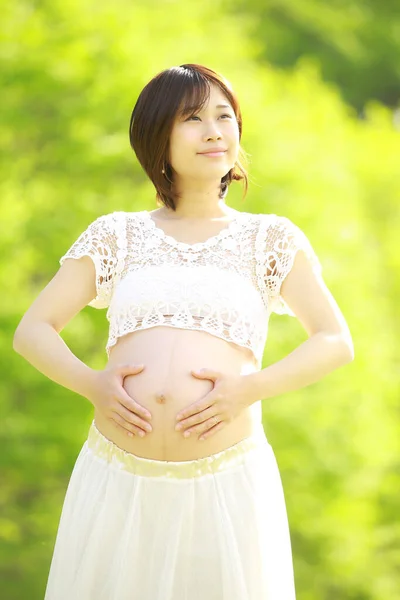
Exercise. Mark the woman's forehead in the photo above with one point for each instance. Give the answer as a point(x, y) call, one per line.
point(200, 98)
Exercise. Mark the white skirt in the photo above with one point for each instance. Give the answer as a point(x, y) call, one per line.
point(133, 528)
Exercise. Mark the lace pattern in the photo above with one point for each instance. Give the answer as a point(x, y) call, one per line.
point(227, 285)
point(104, 241)
point(278, 242)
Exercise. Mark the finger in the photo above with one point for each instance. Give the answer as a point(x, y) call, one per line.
point(196, 407)
point(122, 429)
point(205, 425)
point(130, 417)
point(125, 370)
point(198, 418)
point(134, 407)
point(211, 431)
point(206, 374)
point(129, 428)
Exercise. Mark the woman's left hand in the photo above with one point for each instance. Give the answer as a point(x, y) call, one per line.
point(230, 395)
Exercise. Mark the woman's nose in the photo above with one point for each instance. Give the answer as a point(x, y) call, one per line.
point(212, 135)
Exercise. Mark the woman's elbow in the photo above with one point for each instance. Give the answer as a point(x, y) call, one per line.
point(17, 339)
point(341, 345)
point(346, 343)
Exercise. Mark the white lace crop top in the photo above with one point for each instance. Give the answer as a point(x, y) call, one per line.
point(227, 286)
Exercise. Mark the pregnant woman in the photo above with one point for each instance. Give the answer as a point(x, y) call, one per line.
point(176, 494)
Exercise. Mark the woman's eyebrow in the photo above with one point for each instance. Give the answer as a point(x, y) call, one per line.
point(183, 112)
point(223, 106)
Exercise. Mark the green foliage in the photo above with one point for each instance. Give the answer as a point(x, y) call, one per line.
point(70, 76)
point(356, 43)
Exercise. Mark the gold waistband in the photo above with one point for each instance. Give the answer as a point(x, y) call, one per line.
point(104, 448)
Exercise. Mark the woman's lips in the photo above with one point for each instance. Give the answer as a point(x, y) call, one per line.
point(213, 153)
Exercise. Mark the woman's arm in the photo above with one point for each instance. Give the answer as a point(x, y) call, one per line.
point(37, 336)
point(329, 345)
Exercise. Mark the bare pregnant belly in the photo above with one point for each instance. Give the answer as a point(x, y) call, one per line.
point(166, 386)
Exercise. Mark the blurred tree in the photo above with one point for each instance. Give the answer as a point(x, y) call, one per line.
point(355, 42)
point(70, 76)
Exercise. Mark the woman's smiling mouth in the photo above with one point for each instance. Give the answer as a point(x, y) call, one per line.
point(215, 153)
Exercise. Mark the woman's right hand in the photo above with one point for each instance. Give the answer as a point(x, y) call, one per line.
point(108, 396)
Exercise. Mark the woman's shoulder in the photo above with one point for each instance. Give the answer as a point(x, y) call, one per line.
point(271, 217)
point(116, 219)
point(254, 217)
point(267, 221)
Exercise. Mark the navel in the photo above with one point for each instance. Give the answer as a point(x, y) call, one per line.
point(160, 398)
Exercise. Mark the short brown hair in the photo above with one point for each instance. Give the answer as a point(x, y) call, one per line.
point(179, 90)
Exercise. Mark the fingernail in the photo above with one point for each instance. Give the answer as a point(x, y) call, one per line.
point(178, 427)
point(186, 434)
point(141, 433)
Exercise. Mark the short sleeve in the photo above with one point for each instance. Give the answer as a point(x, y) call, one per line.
point(283, 240)
point(99, 241)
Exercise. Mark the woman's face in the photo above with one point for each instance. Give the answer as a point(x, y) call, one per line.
point(215, 126)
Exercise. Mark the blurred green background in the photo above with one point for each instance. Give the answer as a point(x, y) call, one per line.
point(319, 88)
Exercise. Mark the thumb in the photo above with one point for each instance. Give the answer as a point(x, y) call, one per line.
point(206, 374)
point(125, 370)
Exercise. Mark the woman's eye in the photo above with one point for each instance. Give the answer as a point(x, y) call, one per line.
point(196, 117)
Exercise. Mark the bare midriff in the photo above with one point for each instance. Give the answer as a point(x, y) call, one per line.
point(166, 386)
